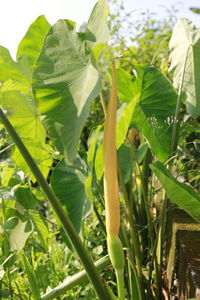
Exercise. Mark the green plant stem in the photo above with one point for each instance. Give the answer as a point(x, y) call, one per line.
point(145, 197)
point(120, 284)
point(64, 219)
point(110, 292)
point(134, 235)
point(99, 219)
point(6, 148)
point(75, 280)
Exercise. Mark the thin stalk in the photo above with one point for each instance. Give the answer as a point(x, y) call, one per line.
point(110, 292)
point(64, 219)
point(178, 105)
point(75, 280)
point(158, 251)
point(99, 219)
point(137, 293)
point(120, 284)
point(134, 234)
point(161, 231)
point(101, 198)
point(130, 282)
point(6, 148)
point(145, 197)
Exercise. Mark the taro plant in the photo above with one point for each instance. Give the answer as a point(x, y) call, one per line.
point(123, 183)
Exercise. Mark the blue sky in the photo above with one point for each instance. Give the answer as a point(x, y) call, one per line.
point(159, 6)
point(16, 16)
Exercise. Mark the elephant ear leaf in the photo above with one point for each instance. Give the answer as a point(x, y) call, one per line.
point(185, 63)
point(31, 44)
point(179, 193)
point(155, 109)
point(64, 84)
point(9, 69)
point(97, 23)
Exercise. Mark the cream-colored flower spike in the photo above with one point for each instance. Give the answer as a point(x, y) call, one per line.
point(112, 204)
point(110, 163)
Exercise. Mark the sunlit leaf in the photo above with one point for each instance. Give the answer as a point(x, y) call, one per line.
point(125, 86)
point(64, 84)
point(97, 23)
point(185, 58)
point(23, 115)
point(124, 121)
point(9, 69)
point(18, 236)
point(31, 44)
point(6, 175)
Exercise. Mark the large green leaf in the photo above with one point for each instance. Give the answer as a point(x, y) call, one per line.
point(17, 75)
point(31, 44)
point(125, 85)
point(181, 194)
point(64, 84)
point(155, 109)
point(97, 29)
point(97, 23)
point(68, 182)
point(9, 69)
point(24, 117)
point(185, 57)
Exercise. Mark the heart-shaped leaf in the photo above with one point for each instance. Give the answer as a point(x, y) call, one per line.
point(64, 84)
point(155, 109)
point(31, 44)
point(185, 62)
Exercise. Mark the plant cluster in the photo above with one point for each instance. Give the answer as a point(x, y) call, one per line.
point(73, 187)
